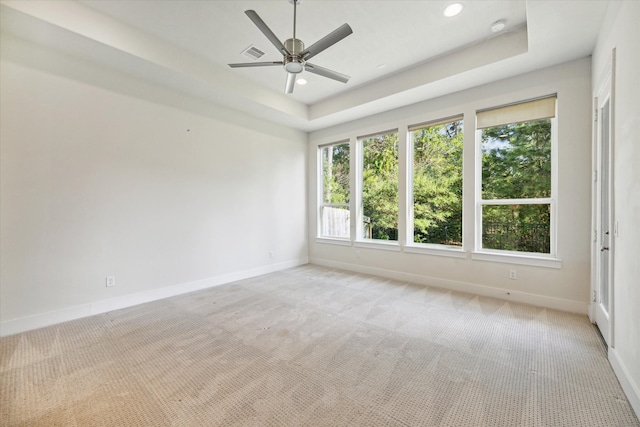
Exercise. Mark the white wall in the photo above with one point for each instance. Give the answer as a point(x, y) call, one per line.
point(565, 288)
point(621, 31)
point(102, 174)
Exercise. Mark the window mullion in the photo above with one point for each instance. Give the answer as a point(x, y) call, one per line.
point(478, 191)
point(403, 188)
point(356, 189)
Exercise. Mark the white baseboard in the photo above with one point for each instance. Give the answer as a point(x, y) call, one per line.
point(591, 312)
point(631, 389)
point(454, 285)
point(14, 326)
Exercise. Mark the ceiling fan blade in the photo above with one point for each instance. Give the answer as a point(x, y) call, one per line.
point(327, 41)
point(325, 72)
point(266, 31)
point(291, 81)
point(255, 64)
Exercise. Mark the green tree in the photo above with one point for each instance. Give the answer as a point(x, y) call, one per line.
point(380, 185)
point(516, 164)
point(335, 164)
point(437, 183)
point(516, 161)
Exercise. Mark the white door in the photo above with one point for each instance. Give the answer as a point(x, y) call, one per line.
point(604, 240)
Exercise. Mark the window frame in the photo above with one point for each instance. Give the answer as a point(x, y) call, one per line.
point(429, 248)
point(320, 194)
point(472, 183)
point(501, 255)
point(360, 239)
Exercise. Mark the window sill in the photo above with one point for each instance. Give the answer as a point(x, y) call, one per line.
point(511, 258)
point(389, 245)
point(447, 251)
point(333, 241)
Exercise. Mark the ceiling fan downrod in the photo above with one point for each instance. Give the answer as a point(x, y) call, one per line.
point(295, 5)
point(294, 63)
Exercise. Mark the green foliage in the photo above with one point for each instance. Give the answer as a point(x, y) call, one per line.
point(380, 186)
point(335, 167)
point(437, 184)
point(437, 189)
point(516, 161)
point(516, 164)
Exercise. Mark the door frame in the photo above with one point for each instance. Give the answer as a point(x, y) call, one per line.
point(604, 89)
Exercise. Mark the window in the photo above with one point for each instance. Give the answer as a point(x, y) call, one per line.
point(437, 182)
point(379, 186)
point(334, 207)
point(514, 177)
point(516, 191)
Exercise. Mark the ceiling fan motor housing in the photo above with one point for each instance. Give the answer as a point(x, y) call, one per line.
point(294, 63)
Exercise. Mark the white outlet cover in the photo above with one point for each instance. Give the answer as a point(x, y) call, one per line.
point(111, 281)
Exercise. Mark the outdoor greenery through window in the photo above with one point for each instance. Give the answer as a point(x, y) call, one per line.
point(335, 220)
point(437, 182)
point(380, 186)
point(516, 177)
point(514, 180)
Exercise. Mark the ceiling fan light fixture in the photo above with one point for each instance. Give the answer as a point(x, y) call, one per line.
point(293, 65)
point(452, 10)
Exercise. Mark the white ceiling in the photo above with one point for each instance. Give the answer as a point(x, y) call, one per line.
point(400, 52)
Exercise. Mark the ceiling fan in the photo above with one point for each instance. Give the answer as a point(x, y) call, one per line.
point(295, 56)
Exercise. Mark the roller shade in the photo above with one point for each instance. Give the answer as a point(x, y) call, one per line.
point(538, 109)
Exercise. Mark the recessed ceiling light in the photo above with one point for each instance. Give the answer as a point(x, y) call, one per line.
point(498, 26)
point(381, 66)
point(301, 82)
point(452, 10)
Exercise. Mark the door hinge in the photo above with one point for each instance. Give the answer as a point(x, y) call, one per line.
point(595, 115)
point(594, 296)
point(595, 176)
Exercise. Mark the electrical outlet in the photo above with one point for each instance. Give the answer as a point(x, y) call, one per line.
point(111, 281)
point(270, 254)
point(512, 274)
point(357, 254)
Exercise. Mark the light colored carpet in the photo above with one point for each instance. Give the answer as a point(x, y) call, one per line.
point(311, 346)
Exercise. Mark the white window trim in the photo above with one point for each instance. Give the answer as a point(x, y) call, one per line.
point(435, 249)
point(513, 257)
point(334, 241)
point(430, 248)
point(527, 258)
point(320, 194)
point(360, 240)
point(404, 243)
point(389, 245)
